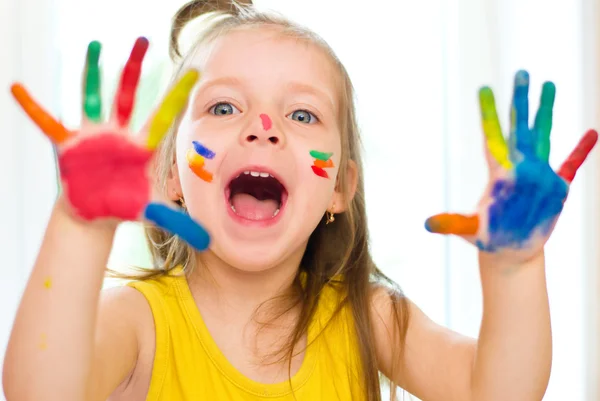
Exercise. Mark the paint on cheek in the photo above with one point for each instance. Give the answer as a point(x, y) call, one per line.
point(320, 172)
point(322, 161)
point(196, 160)
point(266, 122)
point(106, 176)
point(203, 150)
point(322, 164)
point(320, 155)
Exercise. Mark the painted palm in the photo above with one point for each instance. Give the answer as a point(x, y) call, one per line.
point(524, 196)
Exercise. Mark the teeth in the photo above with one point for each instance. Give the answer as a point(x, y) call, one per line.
point(276, 212)
point(233, 208)
point(257, 174)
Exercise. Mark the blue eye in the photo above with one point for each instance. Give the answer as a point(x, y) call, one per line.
point(303, 116)
point(223, 109)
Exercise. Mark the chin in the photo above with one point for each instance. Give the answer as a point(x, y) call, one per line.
point(253, 258)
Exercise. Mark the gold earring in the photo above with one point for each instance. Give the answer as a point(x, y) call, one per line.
point(330, 216)
point(181, 202)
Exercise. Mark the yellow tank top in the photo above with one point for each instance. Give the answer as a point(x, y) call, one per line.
point(188, 365)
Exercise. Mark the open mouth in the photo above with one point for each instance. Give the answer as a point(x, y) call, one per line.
point(256, 196)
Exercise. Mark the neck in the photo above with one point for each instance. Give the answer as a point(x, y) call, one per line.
point(241, 290)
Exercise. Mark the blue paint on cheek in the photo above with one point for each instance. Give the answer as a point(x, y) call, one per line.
point(203, 150)
point(521, 207)
point(178, 223)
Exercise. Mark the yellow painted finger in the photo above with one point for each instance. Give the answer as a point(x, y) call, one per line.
point(171, 107)
point(456, 224)
point(495, 141)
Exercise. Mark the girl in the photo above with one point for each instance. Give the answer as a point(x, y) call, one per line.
point(286, 302)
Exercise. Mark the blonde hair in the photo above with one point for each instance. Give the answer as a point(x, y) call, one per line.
point(340, 249)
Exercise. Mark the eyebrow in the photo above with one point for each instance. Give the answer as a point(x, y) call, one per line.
point(292, 86)
point(311, 90)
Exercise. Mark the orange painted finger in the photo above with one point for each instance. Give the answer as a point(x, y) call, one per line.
point(50, 126)
point(456, 224)
point(324, 164)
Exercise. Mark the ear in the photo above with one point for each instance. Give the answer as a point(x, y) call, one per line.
point(174, 191)
point(340, 199)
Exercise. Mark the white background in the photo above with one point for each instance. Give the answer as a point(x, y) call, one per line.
point(416, 66)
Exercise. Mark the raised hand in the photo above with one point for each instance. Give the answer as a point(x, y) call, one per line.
point(105, 172)
point(524, 197)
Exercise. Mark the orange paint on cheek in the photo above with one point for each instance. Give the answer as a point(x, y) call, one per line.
point(324, 164)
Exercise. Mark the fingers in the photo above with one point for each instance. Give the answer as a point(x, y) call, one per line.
point(178, 223)
point(521, 135)
point(543, 121)
point(129, 81)
point(49, 126)
point(569, 168)
point(92, 99)
point(491, 128)
point(171, 107)
point(456, 224)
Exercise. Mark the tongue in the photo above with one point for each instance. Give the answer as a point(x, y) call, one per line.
point(248, 207)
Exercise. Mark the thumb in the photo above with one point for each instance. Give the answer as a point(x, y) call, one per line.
point(456, 224)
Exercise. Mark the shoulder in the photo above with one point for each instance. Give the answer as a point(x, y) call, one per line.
point(124, 334)
point(414, 350)
point(126, 306)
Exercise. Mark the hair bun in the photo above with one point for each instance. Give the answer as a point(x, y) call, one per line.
point(195, 9)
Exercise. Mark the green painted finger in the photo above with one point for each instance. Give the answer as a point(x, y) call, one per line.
point(491, 128)
point(92, 100)
point(543, 121)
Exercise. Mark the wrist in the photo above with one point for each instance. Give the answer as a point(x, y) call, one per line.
point(504, 262)
point(66, 213)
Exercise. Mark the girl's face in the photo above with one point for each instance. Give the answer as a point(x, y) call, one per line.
point(263, 104)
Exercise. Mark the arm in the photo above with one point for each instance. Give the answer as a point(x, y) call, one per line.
point(510, 361)
point(51, 349)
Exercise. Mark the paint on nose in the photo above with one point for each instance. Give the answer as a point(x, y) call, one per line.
point(266, 122)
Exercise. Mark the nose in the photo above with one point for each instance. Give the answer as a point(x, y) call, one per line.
point(262, 131)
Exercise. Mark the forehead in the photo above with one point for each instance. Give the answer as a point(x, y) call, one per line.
point(267, 56)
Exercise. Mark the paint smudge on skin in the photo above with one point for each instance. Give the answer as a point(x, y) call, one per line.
point(320, 172)
point(203, 150)
point(320, 155)
point(322, 161)
point(48, 283)
point(43, 345)
point(266, 122)
point(195, 158)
